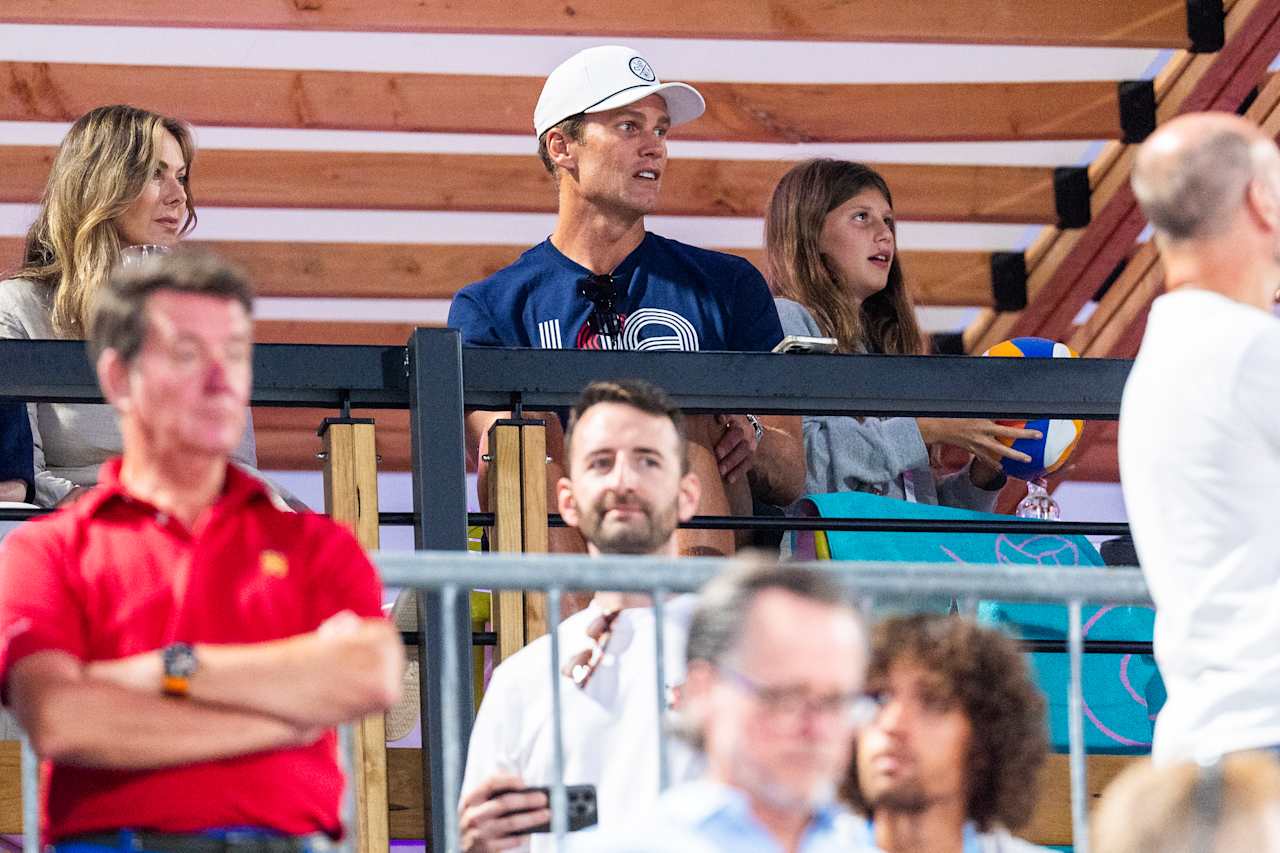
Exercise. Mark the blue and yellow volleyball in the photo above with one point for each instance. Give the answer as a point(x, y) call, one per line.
point(1059, 437)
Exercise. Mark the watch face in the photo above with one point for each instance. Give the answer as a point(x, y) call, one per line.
point(179, 661)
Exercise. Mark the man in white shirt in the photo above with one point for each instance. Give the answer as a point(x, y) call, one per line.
point(1200, 434)
point(628, 487)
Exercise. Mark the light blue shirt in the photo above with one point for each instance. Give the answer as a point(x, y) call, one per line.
point(972, 840)
point(706, 817)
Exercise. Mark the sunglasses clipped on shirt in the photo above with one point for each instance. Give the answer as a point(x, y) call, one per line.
point(604, 292)
point(583, 665)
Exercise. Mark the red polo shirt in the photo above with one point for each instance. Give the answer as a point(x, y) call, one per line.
point(110, 576)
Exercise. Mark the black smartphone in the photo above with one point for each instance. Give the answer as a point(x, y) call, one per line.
point(582, 806)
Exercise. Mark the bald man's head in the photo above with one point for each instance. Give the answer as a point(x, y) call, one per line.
point(1192, 175)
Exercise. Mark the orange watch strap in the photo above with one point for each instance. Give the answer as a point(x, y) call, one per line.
point(176, 685)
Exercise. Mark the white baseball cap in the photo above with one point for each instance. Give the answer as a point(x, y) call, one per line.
point(604, 78)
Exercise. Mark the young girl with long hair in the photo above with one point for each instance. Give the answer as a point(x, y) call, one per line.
point(832, 263)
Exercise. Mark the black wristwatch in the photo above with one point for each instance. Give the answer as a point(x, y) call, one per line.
point(180, 663)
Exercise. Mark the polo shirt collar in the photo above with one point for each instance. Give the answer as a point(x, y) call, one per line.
point(238, 488)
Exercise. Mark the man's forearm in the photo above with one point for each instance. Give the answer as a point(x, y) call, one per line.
point(778, 469)
point(308, 680)
point(319, 679)
point(101, 725)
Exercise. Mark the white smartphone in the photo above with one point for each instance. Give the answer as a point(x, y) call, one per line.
point(806, 343)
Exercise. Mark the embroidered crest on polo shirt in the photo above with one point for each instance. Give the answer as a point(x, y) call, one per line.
point(273, 564)
point(641, 69)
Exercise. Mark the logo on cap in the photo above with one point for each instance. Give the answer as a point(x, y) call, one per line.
point(641, 69)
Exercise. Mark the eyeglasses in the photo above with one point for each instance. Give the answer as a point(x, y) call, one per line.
point(792, 703)
point(583, 665)
point(604, 292)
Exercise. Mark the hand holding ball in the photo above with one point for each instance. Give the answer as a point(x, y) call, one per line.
point(1059, 437)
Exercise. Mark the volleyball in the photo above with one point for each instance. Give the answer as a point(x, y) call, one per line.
point(1059, 437)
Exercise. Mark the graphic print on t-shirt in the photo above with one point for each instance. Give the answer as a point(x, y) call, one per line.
point(643, 329)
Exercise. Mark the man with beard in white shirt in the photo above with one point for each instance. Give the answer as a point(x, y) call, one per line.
point(628, 487)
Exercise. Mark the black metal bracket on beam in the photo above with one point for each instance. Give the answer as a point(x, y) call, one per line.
point(1137, 110)
point(1206, 25)
point(328, 422)
point(947, 343)
point(1071, 196)
point(1009, 280)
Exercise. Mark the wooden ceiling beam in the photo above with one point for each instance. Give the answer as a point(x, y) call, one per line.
point(437, 271)
point(1133, 23)
point(1217, 81)
point(477, 182)
point(466, 103)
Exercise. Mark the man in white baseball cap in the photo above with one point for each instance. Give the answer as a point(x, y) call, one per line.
point(601, 78)
point(601, 281)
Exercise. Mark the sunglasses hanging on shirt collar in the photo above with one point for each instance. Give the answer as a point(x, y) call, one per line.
point(604, 292)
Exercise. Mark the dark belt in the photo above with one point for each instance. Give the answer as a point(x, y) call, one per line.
point(231, 842)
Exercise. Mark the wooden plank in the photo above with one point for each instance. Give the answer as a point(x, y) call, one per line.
point(437, 271)
point(1204, 81)
point(404, 784)
point(1051, 822)
point(10, 787)
point(696, 187)
point(331, 332)
point(533, 488)
point(1134, 23)
point(351, 498)
point(505, 498)
point(1088, 338)
point(475, 103)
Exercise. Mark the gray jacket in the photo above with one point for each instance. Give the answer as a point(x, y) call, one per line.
point(844, 454)
point(71, 439)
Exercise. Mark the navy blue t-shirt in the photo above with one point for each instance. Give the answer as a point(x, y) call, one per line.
point(678, 297)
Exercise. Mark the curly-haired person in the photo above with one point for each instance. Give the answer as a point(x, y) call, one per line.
point(951, 760)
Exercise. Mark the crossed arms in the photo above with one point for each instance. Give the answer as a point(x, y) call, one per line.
point(244, 698)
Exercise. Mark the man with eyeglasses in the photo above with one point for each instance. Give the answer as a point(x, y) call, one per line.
point(773, 696)
point(628, 487)
point(602, 281)
point(951, 760)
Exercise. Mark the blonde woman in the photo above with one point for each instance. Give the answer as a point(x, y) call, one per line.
point(831, 246)
point(120, 178)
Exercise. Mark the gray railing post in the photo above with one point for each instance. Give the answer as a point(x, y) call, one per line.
point(440, 504)
point(660, 667)
point(351, 770)
point(559, 798)
point(1075, 730)
point(30, 798)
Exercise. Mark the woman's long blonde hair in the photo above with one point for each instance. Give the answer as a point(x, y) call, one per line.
point(884, 322)
point(101, 167)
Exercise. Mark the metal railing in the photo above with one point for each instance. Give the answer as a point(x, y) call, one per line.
point(437, 379)
point(451, 574)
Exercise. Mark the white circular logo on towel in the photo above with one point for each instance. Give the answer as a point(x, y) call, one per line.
point(641, 69)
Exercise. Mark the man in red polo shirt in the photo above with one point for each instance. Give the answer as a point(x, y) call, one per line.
point(176, 646)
